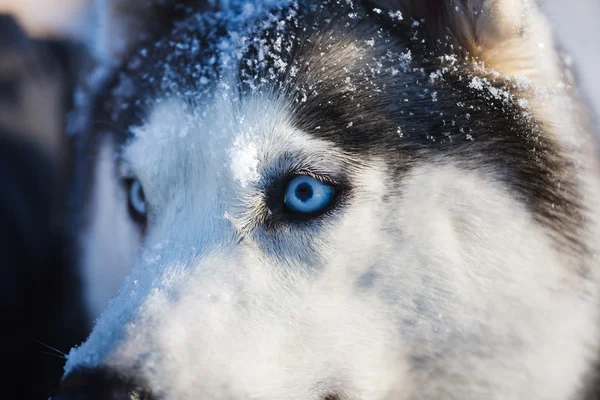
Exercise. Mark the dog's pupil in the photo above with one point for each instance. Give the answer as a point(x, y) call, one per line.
point(304, 192)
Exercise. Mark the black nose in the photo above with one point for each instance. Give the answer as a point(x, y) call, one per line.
point(101, 384)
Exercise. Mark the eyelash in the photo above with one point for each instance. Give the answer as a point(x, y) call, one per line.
point(278, 213)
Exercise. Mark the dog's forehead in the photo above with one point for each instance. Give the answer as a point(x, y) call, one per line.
point(222, 139)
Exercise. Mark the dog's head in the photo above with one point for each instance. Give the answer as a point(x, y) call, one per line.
point(333, 200)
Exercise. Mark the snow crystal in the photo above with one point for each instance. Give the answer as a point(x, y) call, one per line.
point(476, 83)
point(435, 76)
point(523, 103)
point(395, 15)
point(244, 161)
point(483, 84)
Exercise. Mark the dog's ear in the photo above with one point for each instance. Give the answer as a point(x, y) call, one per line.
point(510, 36)
point(121, 24)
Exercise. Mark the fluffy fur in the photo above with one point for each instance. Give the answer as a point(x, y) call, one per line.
point(459, 259)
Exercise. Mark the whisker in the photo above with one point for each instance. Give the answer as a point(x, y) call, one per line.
point(63, 354)
point(53, 354)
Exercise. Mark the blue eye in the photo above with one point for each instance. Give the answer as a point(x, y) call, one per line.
point(307, 195)
point(137, 200)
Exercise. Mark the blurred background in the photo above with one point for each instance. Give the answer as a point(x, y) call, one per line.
point(49, 17)
point(41, 316)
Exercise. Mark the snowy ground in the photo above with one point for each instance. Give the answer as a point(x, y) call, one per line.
point(574, 22)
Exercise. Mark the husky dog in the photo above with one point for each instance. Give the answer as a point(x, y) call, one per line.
point(335, 199)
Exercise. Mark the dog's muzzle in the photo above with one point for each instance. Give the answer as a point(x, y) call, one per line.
point(101, 384)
